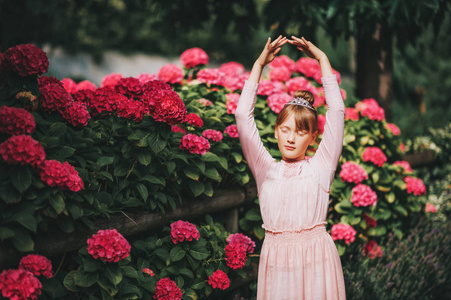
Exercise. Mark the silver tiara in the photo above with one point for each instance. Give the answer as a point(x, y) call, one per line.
point(301, 101)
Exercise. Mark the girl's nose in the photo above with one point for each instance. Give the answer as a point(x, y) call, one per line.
point(291, 138)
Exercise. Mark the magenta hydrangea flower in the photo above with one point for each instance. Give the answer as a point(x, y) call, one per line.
point(415, 186)
point(374, 155)
point(344, 232)
point(352, 172)
point(363, 195)
point(183, 231)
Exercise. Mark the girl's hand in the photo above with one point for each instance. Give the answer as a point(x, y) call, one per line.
point(270, 51)
point(307, 47)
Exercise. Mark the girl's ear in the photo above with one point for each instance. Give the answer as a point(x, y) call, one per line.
point(275, 133)
point(314, 136)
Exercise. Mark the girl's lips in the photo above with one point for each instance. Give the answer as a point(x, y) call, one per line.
point(289, 148)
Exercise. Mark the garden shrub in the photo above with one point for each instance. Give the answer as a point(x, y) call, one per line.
point(73, 153)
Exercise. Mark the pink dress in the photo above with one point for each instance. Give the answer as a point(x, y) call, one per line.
point(298, 259)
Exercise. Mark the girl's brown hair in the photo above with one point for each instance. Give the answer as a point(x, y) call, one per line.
point(306, 118)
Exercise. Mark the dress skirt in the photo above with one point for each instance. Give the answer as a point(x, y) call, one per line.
point(300, 265)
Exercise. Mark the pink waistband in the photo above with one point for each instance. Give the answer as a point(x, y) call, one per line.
point(293, 235)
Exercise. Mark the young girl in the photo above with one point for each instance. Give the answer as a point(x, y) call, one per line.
point(298, 259)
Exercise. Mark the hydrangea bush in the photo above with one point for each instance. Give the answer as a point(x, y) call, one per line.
point(73, 152)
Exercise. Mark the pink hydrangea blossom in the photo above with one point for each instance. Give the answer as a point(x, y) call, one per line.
point(351, 114)
point(205, 102)
point(394, 129)
point(363, 195)
point(317, 76)
point(404, 164)
point(307, 66)
point(343, 94)
point(170, 73)
point(19, 285)
point(183, 231)
point(211, 76)
point(219, 280)
point(146, 77)
point(402, 147)
point(213, 135)
point(37, 264)
point(267, 87)
point(282, 61)
point(237, 82)
point(321, 123)
point(300, 83)
point(194, 120)
point(415, 186)
point(372, 249)
point(320, 98)
point(148, 272)
point(242, 239)
point(352, 172)
point(22, 149)
point(111, 79)
point(235, 255)
point(86, 85)
point(176, 128)
point(232, 69)
point(371, 109)
point(232, 131)
point(277, 101)
point(69, 85)
point(166, 289)
point(344, 232)
point(374, 155)
point(108, 245)
point(370, 221)
point(430, 208)
point(194, 144)
point(232, 102)
point(16, 121)
point(279, 74)
point(194, 57)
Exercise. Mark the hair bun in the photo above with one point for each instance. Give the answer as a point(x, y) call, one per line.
point(307, 95)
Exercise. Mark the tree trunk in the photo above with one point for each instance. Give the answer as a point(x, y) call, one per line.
point(375, 67)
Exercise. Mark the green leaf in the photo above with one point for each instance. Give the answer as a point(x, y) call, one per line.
point(142, 191)
point(130, 272)
point(69, 282)
point(85, 279)
point(196, 187)
point(131, 291)
point(26, 220)
point(210, 157)
point(162, 253)
point(401, 210)
point(380, 230)
point(208, 190)
point(105, 160)
point(144, 158)
point(156, 143)
point(237, 156)
point(177, 253)
point(57, 202)
point(64, 152)
point(259, 232)
point(154, 180)
point(192, 173)
point(390, 197)
point(57, 129)
point(198, 254)
point(341, 249)
point(213, 174)
point(21, 179)
point(186, 272)
point(190, 294)
point(6, 233)
point(113, 274)
point(91, 265)
point(223, 162)
point(253, 215)
point(198, 286)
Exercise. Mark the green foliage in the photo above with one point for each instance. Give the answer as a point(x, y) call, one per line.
point(188, 263)
point(416, 267)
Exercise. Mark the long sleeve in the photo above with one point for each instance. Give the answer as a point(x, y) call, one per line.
point(329, 150)
point(257, 157)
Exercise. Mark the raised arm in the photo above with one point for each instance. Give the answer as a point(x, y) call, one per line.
point(255, 153)
point(329, 150)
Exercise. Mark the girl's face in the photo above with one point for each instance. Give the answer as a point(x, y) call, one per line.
point(292, 142)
